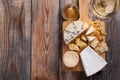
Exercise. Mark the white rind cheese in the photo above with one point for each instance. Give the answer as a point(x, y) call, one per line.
point(92, 62)
point(73, 30)
point(91, 29)
point(90, 38)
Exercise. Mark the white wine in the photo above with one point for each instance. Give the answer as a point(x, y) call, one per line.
point(105, 8)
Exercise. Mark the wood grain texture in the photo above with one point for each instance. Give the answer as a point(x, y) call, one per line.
point(113, 56)
point(15, 34)
point(45, 40)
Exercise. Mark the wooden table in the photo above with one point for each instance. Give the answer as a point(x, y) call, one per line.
point(30, 42)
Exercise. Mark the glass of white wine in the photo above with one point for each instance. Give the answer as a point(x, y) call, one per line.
point(104, 8)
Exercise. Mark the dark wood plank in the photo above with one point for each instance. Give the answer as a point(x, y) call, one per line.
point(113, 68)
point(45, 40)
point(113, 29)
point(15, 34)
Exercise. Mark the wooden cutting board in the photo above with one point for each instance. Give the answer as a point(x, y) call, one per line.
point(83, 10)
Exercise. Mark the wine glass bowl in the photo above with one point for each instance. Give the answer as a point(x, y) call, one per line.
point(104, 8)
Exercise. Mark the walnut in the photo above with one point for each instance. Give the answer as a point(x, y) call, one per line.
point(100, 38)
point(103, 33)
point(97, 23)
point(100, 29)
point(96, 33)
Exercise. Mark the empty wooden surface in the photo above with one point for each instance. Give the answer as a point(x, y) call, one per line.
point(45, 40)
point(15, 37)
point(30, 42)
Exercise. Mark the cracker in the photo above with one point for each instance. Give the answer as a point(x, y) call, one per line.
point(102, 47)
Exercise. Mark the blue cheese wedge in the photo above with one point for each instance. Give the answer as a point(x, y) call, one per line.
point(73, 30)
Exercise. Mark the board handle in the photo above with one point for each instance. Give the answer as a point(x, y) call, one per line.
point(83, 8)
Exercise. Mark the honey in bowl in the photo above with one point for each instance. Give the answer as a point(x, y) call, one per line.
point(70, 12)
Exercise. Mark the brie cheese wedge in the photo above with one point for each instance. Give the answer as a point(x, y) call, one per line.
point(92, 62)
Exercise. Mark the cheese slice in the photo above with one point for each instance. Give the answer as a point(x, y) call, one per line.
point(90, 38)
point(92, 62)
point(73, 30)
point(80, 43)
point(90, 30)
point(94, 43)
point(83, 38)
point(73, 47)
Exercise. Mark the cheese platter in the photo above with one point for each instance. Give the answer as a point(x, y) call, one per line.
point(79, 36)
